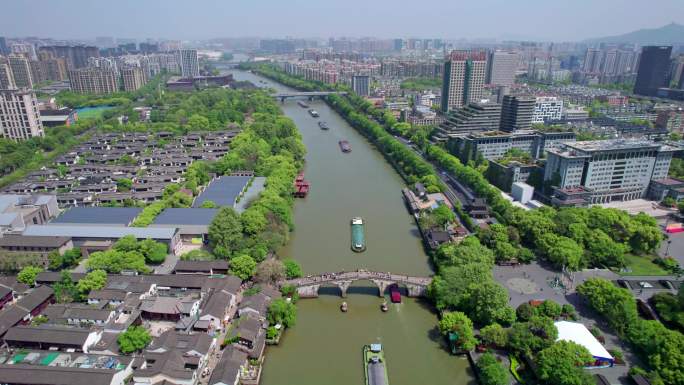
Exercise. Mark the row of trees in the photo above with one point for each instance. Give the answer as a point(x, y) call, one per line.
point(661, 349)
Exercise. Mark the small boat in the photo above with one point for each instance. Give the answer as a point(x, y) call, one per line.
point(344, 146)
point(323, 125)
point(358, 236)
point(374, 364)
point(384, 307)
point(344, 307)
point(313, 113)
point(395, 295)
point(302, 104)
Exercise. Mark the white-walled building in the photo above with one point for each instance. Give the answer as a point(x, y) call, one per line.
point(19, 115)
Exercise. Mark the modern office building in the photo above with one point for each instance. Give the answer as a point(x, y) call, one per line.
point(19, 115)
point(188, 62)
point(75, 56)
point(6, 77)
point(654, 68)
point(133, 78)
point(361, 85)
point(464, 78)
point(277, 46)
point(494, 145)
point(517, 112)
point(547, 109)
point(21, 71)
point(93, 81)
point(501, 67)
point(609, 170)
point(474, 117)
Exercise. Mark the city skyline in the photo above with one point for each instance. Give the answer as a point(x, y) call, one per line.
point(306, 18)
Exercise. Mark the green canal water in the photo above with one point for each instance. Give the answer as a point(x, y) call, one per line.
point(325, 345)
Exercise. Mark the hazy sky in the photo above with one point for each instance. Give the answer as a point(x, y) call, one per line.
point(558, 20)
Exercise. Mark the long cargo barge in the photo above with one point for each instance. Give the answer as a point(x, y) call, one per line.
point(358, 236)
point(374, 364)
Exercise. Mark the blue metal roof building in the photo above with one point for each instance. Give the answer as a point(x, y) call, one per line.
point(223, 191)
point(122, 216)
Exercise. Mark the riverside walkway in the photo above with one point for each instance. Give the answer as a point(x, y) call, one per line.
point(307, 287)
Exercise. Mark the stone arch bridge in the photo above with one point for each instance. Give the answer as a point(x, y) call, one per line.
point(307, 287)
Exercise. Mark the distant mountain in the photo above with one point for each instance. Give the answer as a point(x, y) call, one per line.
point(669, 34)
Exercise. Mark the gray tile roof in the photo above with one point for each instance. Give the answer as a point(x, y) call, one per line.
point(98, 215)
point(100, 231)
point(186, 216)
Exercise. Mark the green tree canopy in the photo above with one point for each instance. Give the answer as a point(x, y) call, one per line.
point(561, 364)
point(28, 275)
point(492, 372)
point(225, 232)
point(292, 269)
point(243, 266)
point(134, 339)
point(458, 323)
point(282, 312)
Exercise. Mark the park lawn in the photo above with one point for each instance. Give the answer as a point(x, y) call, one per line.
point(643, 265)
point(92, 112)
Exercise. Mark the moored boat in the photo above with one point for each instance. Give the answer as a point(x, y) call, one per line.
point(375, 366)
point(384, 307)
point(323, 125)
point(344, 307)
point(395, 295)
point(302, 104)
point(358, 236)
point(313, 113)
point(344, 146)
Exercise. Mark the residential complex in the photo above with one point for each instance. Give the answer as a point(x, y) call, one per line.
point(19, 115)
point(464, 79)
point(133, 78)
point(361, 85)
point(471, 118)
point(188, 62)
point(609, 170)
point(93, 81)
point(21, 71)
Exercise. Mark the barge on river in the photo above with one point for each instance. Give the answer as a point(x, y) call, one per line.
point(358, 236)
point(374, 364)
point(313, 113)
point(301, 186)
point(302, 104)
point(344, 146)
point(323, 125)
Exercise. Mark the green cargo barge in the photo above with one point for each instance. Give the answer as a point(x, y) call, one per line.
point(374, 365)
point(358, 236)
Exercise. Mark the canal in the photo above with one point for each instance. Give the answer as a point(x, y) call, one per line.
point(325, 345)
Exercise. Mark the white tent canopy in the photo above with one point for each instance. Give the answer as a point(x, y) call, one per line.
point(579, 334)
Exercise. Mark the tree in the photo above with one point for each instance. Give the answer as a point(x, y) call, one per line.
point(550, 309)
point(270, 271)
point(561, 364)
point(65, 289)
point(282, 312)
point(153, 251)
point(134, 339)
point(494, 335)
point(450, 286)
point(292, 269)
point(114, 261)
point(225, 232)
point(243, 266)
point(492, 372)
point(532, 336)
point(615, 304)
point(443, 215)
point(28, 275)
point(603, 251)
point(562, 251)
point(459, 324)
point(124, 184)
point(525, 311)
point(95, 280)
point(69, 259)
point(126, 243)
point(488, 303)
